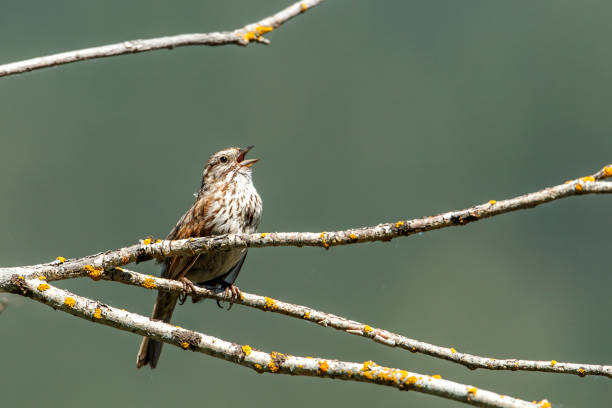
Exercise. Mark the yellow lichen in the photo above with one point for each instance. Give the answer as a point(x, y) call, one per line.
point(43, 286)
point(579, 187)
point(306, 315)
point(273, 367)
point(70, 302)
point(247, 349)
point(157, 241)
point(149, 283)
point(146, 241)
point(61, 259)
point(97, 313)
point(303, 7)
point(257, 33)
point(184, 345)
point(270, 304)
point(411, 380)
point(492, 202)
point(413, 349)
point(544, 404)
point(607, 171)
point(323, 367)
point(453, 350)
point(258, 367)
point(588, 178)
point(264, 234)
point(367, 329)
point(352, 236)
point(94, 273)
point(322, 236)
point(472, 390)
point(553, 363)
point(437, 376)
point(516, 366)
point(581, 371)
point(399, 224)
point(368, 365)
point(42, 277)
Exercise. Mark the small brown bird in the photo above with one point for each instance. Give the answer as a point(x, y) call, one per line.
point(227, 203)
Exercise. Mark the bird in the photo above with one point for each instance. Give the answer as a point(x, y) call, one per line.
point(226, 203)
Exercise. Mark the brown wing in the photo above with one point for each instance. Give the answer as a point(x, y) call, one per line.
point(194, 223)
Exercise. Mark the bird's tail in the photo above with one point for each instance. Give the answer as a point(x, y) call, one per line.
point(151, 349)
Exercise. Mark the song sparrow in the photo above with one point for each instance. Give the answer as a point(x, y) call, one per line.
point(227, 203)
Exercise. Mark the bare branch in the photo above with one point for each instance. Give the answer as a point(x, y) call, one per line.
point(356, 328)
point(242, 36)
point(382, 232)
point(261, 362)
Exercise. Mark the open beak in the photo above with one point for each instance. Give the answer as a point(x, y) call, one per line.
point(240, 159)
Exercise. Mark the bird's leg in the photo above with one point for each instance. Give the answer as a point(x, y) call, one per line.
point(232, 293)
point(188, 287)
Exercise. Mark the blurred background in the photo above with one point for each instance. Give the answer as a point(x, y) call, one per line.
point(361, 112)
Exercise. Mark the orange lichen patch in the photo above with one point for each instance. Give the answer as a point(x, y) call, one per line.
point(492, 202)
point(553, 363)
point(352, 236)
point(413, 349)
point(149, 283)
point(42, 277)
point(70, 302)
point(247, 349)
point(436, 376)
point(588, 178)
point(125, 260)
point(581, 371)
point(544, 404)
point(579, 187)
point(323, 367)
point(146, 241)
point(258, 367)
point(270, 304)
point(264, 234)
point(367, 329)
point(61, 259)
point(568, 181)
point(257, 33)
point(273, 367)
point(399, 224)
point(472, 390)
point(607, 171)
point(184, 345)
point(20, 277)
point(43, 286)
point(157, 241)
point(411, 380)
point(322, 236)
point(241, 295)
point(93, 273)
point(303, 7)
point(453, 350)
point(97, 313)
point(306, 315)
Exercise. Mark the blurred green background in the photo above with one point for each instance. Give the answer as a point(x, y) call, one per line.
point(361, 112)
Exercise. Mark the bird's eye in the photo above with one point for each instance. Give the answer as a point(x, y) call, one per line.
point(223, 159)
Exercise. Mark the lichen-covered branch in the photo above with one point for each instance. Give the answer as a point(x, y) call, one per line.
point(248, 356)
point(149, 249)
point(241, 36)
point(356, 328)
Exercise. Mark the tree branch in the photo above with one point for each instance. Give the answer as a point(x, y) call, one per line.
point(262, 362)
point(242, 36)
point(148, 249)
point(382, 336)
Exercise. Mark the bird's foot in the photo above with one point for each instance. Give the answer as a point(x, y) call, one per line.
point(232, 293)
point(189, 289)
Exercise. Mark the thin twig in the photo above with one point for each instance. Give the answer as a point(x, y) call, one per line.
point(261, 362)
point(242, 36)
point(382, 336)
point(382, 232)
